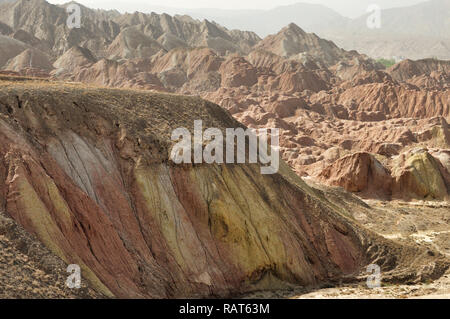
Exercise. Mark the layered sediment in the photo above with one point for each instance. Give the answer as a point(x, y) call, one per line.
point(86, 171)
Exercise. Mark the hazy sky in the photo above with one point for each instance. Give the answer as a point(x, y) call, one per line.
point(350, 8)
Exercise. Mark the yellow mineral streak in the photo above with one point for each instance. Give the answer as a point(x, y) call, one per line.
point(262, 247)
point(163, 206)
point(243, 221)
point(424, 177)
point(44, 226)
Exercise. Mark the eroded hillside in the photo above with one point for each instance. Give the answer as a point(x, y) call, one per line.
point(86, 171)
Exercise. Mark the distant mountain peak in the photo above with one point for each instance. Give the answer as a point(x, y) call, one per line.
point(293, 40)
point(293, 27)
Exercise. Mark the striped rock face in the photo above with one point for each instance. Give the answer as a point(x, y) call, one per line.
point(86, 171)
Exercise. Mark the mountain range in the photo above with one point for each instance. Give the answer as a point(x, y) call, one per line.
point(415, 32)
point(410, 31)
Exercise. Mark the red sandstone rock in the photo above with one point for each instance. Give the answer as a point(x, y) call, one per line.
point(359, 172)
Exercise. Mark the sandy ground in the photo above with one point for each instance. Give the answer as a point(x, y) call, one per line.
point(421, 223)
point(439, 289)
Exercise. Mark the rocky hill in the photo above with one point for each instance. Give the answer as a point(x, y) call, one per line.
point(292, 80)
point(292, 40)
point(86, 172)
point(422, 71)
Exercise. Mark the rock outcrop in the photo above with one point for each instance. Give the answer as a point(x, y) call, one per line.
point(408, 69)
point(73, 58)
point(30, 58)
point(417, 174)
point(9, 48)
point(359, 172)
